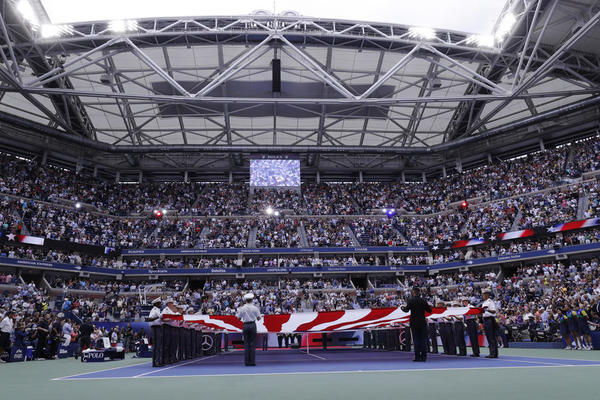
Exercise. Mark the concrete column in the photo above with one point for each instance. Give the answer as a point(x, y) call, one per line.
point(95, 171)
point(444, 173)
point(318, 177)
point(458, 165)
point(230, 177)
point(186, 178)
point(542, 147)
point(403, 176)
point(490, 158)
point(424, 177)
point(140, 177)
point(44, 157)
point(117, 177)
point(360, 177)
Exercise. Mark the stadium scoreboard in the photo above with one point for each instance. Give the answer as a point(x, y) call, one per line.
point(275, 171)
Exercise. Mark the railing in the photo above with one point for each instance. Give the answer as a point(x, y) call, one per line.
point(311, 270)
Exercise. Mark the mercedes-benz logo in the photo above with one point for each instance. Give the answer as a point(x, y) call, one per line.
point(207, 342)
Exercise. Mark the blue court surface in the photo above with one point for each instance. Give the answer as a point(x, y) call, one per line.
point(322, 361)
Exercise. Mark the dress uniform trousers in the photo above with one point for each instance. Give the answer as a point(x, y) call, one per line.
point(491, 333)
point(444, 336)
point(432, 331)
point(157, 345)
point(459, 337)
point(249, 334)
point(473, 336)
point(451, 339)
point(419, 334)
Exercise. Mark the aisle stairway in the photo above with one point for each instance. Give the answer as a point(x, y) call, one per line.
point(252, 237)
point(353, 238)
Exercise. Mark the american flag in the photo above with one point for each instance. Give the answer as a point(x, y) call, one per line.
point(326, 321)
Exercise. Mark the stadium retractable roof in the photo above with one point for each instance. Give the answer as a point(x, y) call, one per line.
point(172, 94)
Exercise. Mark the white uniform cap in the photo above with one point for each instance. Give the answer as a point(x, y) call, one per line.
point(249, 296)
point(156, 300)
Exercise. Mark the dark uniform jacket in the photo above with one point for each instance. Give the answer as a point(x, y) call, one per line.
point(417, 307)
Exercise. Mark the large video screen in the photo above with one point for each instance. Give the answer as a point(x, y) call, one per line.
point(269, 172)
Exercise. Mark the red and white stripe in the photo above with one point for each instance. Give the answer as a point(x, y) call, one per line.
point(516, 234)
point(467, 243)
point(328, 321)
point(38, 241)
point(584, 223)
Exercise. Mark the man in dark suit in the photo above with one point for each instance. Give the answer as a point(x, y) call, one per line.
point(417, 307)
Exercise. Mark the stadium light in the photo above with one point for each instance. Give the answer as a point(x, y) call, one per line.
point(122, 25)
point(505, 26)
point(164, 211)
point(27, 11)
point(464, 204)
point(276, 213)
point(421, 33)
point(482, 40)
point(78, 205)
point(50, 31)
point(269, 211)
point(384, 210)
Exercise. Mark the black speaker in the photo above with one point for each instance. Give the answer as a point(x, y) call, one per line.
point(276, 66)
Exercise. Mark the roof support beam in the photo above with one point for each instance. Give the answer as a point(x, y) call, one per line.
point(542, 70)
point(162, 73)
point(239, 64)
point(398, 66)
point(315, 68)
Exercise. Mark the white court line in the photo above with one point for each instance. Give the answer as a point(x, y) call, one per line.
point(314, 355)
point(535, 362)
point(100, 370)
point(121, 367)
point(509, 360)
point(333, 372)
point(173, 366)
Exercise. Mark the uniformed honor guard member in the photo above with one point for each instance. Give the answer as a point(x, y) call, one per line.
point(471, 321)
point(249, 314)
point(442, 326)
point(451, 336)
point(418, 325)
point(170, 334)
point(459, 334)
point(156, 333)
point(432, 332)
point(489, 323)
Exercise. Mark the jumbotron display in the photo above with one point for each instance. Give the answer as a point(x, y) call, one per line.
point(274, 172)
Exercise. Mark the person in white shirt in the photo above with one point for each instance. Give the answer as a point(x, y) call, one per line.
point(67, 331)
point(6, 329)
point(489, 323)
point(156, 333)
point(471, 321)
point(170, 333)
point(249, 314)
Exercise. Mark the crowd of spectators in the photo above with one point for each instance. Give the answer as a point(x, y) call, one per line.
point(548, 209)
point(277, 232)
point(120, 215)
point(533, 299)
point(283, 200)
point(376, 232)
point(330, 232)
point(330, 199)
point(116, 287)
